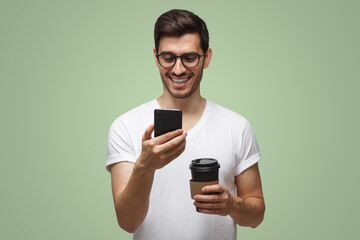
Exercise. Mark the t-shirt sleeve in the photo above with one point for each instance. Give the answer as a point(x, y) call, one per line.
point(248, 152)
point(120, 147)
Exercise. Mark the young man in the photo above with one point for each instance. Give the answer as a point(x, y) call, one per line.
point(150, 176)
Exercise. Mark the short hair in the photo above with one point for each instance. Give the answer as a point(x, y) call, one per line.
point(176, 23)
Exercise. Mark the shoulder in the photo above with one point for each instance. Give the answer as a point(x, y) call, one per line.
point(225, 115)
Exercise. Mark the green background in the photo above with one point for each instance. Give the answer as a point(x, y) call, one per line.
point(69, 68)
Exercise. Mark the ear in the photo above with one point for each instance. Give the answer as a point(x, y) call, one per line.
point(156, 61)
point(207, 58)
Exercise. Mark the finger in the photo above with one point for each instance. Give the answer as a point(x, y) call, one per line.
point(175, 152)
point(210, 206)
point(216, 188)
point(179, 145)
point(172, 143)
point(214, 212)
point(167, 136)
point(214, 198)
point(147, 133)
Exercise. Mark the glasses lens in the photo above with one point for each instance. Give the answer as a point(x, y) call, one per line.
point(190, 60)
point(167, 60)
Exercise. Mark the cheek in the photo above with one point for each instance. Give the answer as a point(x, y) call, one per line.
point(163, 72)
point(197, 72)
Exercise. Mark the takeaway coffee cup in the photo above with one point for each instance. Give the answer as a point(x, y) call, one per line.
point(204, 172)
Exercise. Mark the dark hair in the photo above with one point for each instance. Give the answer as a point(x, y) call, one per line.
point(176, 23)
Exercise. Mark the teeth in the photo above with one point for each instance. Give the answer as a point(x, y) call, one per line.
point(179, 80)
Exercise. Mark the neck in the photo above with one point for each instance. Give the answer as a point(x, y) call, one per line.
point(191, 105)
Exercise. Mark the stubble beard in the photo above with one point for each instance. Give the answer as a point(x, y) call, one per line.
point(186, 95)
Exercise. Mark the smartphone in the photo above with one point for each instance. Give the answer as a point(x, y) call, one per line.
point(167, 120)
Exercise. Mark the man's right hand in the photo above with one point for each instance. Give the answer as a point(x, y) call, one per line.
point(160, 151)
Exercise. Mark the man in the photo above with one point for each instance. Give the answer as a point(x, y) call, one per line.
point(150, 176)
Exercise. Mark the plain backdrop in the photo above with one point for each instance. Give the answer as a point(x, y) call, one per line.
point(69, 68)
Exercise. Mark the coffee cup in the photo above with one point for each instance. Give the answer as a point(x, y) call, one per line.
point(204, 172)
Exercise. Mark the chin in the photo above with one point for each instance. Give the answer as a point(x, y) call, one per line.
point(182, 95)
point(178, 95)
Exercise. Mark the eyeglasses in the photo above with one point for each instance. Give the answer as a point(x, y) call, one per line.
point(189, 60)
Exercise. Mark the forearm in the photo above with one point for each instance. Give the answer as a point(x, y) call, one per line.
point(132, 203)
point(131, 185)
point(248, 212)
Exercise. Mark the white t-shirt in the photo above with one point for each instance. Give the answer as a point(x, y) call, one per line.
point(220, 134)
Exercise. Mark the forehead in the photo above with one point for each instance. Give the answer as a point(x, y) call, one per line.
point(189, 42)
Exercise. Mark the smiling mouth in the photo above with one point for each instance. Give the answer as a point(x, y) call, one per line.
point(180, 80)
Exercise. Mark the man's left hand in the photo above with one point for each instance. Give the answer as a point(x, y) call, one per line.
point(216, 200)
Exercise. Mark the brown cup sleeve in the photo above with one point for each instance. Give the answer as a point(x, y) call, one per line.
point(195, 187)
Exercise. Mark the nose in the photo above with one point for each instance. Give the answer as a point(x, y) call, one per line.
point(179, 67)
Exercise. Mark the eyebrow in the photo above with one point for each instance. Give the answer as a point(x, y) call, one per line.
point(167, 52)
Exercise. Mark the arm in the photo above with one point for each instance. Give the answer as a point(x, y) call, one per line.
point(131, 189)
point(247, 208)
point(131, 183)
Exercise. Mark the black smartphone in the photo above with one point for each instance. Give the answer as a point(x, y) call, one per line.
point(167, 120)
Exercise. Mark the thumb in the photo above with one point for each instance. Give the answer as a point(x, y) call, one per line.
point(147, 133)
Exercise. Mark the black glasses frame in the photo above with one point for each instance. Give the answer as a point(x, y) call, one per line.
point(181, 58)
